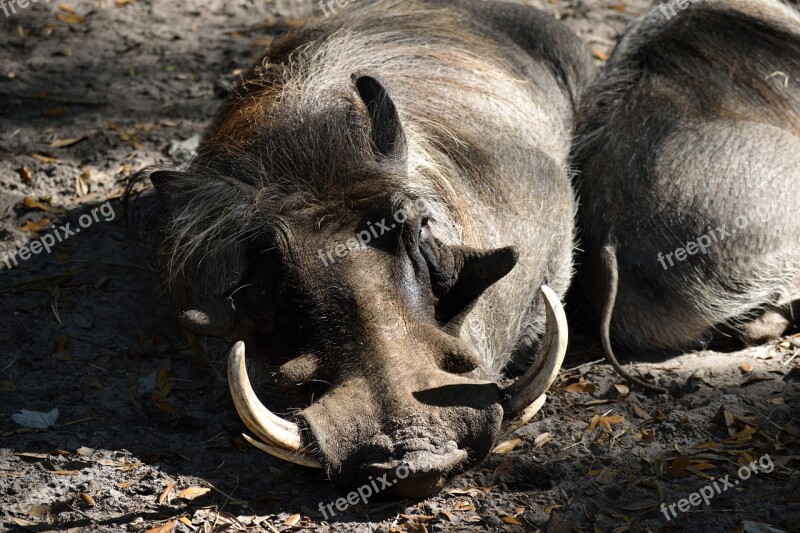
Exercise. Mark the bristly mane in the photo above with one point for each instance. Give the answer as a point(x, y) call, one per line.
point(287, 137)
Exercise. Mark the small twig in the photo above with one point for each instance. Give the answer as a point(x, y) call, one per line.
point(584, 365)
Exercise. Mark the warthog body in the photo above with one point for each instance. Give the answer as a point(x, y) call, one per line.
point(351, 202)
point(688, 148)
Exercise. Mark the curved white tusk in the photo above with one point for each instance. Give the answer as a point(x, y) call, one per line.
point(524, 417)
point(261, 421)
point(291, 457)
point(532, 385)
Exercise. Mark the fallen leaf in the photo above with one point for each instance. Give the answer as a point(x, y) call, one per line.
point(54, 112)
point(191, 493)
point(506, 447)
point(32, 455)
point(34, 227)
point(63, 143)
point(166, 492)
point(292, 520)
point(542, 439)
point(678, 467)
point(581, 387)
point(463, 505)
point(65, 472)
point(502, 468)
point(36, 419)
point(30, 203)
point(169, 527)
point(71, 18)
point(82, 184)
point(604, 422)
point(45, 158)
point(87, 499)
point(26, 174)
point(745, 368)
point(512, 520)
point(622, 390)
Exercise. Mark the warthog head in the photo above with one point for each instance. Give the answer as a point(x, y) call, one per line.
point(345, 290)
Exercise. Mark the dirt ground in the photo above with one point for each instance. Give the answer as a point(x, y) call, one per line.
point(146, 437)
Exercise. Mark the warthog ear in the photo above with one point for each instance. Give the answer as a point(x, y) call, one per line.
point(473, 271)
point(388, 138)
point(165, 181)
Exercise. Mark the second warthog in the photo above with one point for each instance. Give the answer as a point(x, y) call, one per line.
point(374, 213)
point(688, 148)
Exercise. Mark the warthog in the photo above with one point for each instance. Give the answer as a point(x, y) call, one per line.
point(372, 213)
point(688, 146)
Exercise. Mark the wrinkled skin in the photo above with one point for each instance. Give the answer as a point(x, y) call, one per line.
point(455, 114)
point(688, 148)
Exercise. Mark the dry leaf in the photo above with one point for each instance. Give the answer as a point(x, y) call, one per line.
point(678, 467)
point(604, 422)
point(745, 368)
point(542, 439)
point(30, 203)
point(292, 520)
point(167, 491)
point(622, 390)
point(185, 521)
point(63, 143)
point(25, 174)
point(54, 112)
point(45, 158)
point(581, 387)
point(65, 472)
point(71, 18)
point(193, 492)
point(512, 520)
point(35, 226)
point(463, 505)
point(169, 527)
point(87, 499)
point(506, 447)
point(32, 455)
point(502, 468)
point(82, 183)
